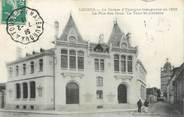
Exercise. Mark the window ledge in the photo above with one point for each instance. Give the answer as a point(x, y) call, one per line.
point(72, 69)
point(80, 69)
point(32, 99)
point(24, 99)
point(64, 68)
point(116, 72)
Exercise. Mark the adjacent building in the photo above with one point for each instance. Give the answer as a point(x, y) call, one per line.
point(2, 95)
point(152, 94)
point(170, 85)
point(179, 89)
point(77, 73)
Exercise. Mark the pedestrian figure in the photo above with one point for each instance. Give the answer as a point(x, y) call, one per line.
point(139, 105)
point(146, 104)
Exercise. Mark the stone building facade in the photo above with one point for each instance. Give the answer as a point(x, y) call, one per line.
point(78, 74)
point(152, 94)
point(179, 89)
point(170, 85)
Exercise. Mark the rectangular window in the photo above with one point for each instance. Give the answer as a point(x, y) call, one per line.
point(72, 59)
point(96, 64)
point(32, 89)
point(64, 61)
point(41, 65)
point(80, 62)
point(24, 69)
point(72, 62)
point(17, 70)
point(129, 63)
point(123, 63)
point(102, 64)
point(116, 62)
point(64, 58)
point(99, 94)
point(25, 90)
point(18, 90)
point(32, 67)
point(99, 81)
point(10, 71)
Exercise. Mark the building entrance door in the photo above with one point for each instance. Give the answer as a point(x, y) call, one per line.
point(122, 93)
point(72, 93)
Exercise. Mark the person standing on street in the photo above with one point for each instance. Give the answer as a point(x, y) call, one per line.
point(139, 105)
point(146, 104)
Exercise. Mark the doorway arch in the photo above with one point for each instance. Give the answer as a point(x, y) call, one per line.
point(72, 93)
point(122, 93)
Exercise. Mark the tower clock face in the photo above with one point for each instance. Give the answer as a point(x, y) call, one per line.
point(72, 38)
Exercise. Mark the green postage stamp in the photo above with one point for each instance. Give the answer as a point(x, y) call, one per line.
point(8, 6)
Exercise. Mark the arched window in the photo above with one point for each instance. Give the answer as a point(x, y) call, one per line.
point(72, 59)
point(116, 62)
point(130, 63)
point(99, 81)
point(122, 93)
point(123, 63)
point(80, 60)
point(72, 93)
point(64, 58)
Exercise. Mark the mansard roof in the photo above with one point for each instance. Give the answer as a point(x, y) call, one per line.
point(70, 25)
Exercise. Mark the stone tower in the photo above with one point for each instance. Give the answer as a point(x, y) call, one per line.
point(165, 75)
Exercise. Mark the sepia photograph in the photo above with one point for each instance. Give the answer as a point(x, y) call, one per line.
point(92, 58)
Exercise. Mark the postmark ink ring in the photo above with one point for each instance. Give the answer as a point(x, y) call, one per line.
point(25, 25)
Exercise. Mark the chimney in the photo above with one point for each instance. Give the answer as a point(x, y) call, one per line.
point(56, 25)
point(18, 52)
point(41, 50)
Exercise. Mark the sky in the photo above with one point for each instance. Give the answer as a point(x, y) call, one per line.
point(157, 36)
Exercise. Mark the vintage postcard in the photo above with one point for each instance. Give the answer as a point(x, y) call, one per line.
point(92, 58)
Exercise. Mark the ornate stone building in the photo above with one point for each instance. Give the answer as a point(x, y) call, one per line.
point(78, 74)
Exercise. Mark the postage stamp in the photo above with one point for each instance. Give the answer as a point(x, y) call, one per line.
point(29, 30)
point(8, 6)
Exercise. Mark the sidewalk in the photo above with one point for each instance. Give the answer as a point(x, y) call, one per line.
point(52, 112)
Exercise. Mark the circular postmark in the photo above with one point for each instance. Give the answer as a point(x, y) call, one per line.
point(25, 25)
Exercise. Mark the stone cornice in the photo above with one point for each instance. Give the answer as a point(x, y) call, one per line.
point(124, 50)
point(96, 54)
point(67, 44)
point(30, 57)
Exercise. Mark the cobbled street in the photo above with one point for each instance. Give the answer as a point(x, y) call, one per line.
point(159, 109)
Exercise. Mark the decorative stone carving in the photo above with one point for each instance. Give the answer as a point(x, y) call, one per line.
point(123, 77)
point(72, 75)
